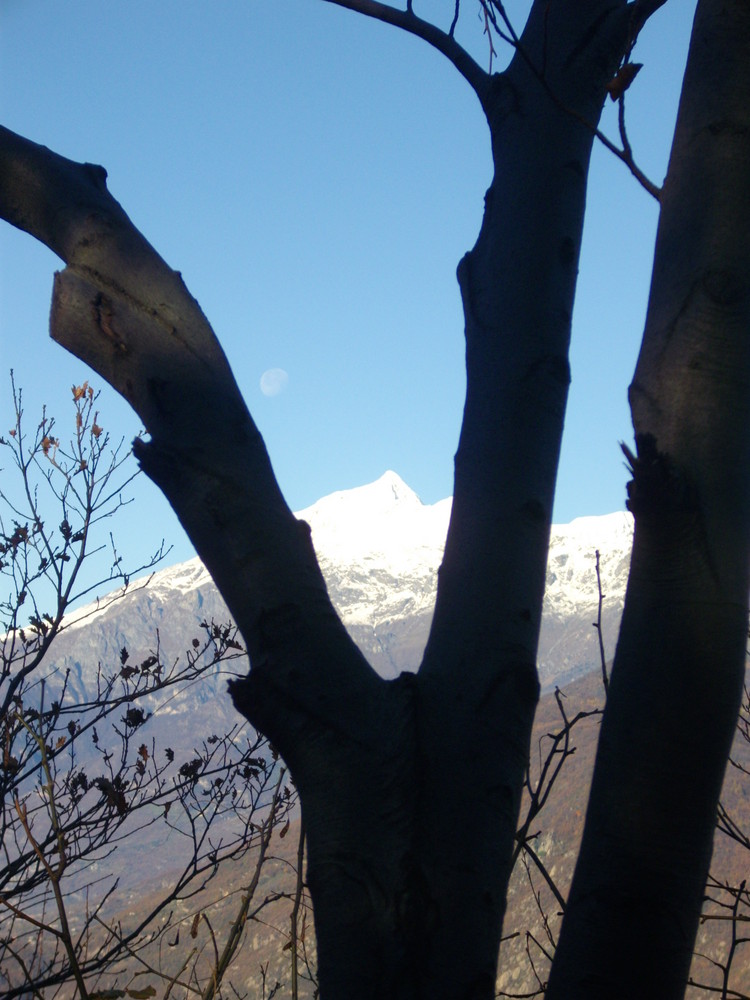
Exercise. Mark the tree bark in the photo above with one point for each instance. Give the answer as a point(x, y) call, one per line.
point(678, 674)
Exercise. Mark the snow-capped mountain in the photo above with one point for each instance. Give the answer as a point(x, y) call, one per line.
point(568, 644)
point(379, 548)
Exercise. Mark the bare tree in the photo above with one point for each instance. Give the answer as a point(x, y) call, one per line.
point(411, 789)
point(720, 967)
point(82, 775)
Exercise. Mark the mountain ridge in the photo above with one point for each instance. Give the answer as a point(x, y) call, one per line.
point(379, 548)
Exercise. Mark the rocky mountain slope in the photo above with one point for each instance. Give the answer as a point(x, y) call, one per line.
point(379, 548)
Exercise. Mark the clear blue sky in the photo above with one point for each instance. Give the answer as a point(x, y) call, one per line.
point(316, 177)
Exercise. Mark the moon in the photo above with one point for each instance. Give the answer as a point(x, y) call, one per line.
point(273, 381)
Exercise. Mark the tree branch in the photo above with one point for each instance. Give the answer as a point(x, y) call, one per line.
point(640, 12)
point(121, 309)
point(443, 41)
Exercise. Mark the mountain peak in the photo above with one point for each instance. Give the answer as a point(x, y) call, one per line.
point(364, 502)
point(392, 489)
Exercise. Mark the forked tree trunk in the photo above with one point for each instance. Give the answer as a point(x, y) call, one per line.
point(678, 673)
point(410, 789)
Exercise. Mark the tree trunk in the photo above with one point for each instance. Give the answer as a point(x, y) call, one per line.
point(678, 674)
point(478, 684)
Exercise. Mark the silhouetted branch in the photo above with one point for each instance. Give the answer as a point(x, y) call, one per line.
point(443, 41)
point(598, 626)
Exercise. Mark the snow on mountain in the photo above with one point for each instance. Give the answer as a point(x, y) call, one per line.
point(568, 644)
point(571, 564)
point(379, 548)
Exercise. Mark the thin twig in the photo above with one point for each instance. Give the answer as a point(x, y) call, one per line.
point(598, 627)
